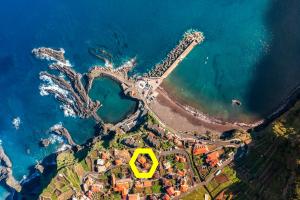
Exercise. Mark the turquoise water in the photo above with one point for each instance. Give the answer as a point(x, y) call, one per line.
point(252, 49)
point(115, 106)
point(250, 53)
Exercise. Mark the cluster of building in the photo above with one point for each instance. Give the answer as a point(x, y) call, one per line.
point(211, 158)
point(174, 176)
point(176, 181)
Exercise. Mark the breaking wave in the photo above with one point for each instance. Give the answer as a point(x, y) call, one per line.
point(49, 85)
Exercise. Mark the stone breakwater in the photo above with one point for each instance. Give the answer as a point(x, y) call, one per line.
point(102, 54)
point(190, 39)
point(119, 74)
point(67, 87)
point(6, 172)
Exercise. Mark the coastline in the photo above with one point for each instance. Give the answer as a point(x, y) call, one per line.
point(196, 117)
point(187, 118)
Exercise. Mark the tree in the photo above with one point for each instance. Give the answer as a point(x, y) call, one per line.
point(156, 188)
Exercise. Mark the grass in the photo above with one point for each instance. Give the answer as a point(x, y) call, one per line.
point(84, 165)
point(215, 188)
point(196, 194)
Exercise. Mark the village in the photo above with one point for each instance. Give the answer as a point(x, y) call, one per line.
point(186, 160)
point(105, 172)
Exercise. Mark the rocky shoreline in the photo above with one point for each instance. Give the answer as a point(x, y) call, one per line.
point(70, 90)
point(6, 172)
point(62, 131)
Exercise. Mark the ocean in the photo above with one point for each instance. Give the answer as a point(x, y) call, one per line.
point(251, 53)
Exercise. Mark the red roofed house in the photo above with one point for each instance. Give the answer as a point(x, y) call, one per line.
point(181, 172)
point(200, 149)
point(213, 158)
point(96, 188)
point(180, 158)
point(133, 196)
point(166, 197)
point(142, 160)
point(147, 183)
point(184, 188)
point(170, 191)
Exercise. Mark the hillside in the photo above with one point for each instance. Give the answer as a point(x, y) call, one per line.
point(271, 169)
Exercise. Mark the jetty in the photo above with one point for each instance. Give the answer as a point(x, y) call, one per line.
point(163, 69)
point(119, 74)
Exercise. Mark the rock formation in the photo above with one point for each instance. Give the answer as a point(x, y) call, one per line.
point(6, 172)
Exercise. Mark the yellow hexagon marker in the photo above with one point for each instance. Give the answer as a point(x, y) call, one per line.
point(135, 170)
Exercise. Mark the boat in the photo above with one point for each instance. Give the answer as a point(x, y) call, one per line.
point(236, 102)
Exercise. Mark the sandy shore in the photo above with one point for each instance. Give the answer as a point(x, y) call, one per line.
point(183, 118)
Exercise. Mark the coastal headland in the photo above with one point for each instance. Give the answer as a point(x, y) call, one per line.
point(174, 130)
point(146, 89)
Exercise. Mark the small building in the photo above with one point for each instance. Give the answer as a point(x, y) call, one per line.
point(133, 197)
point(128, 126)
point(123, 155)
point(130, 142)
point(184, 188)
point(142, 160)
point(181, 159)
point(122, 186)
point(85, 187)
point(177, 193)
point(147, 183)
point(101, 169)
point(100, 162)
point(200, 149)
point(170, 191)
point(213, 158)
point(178, 143)
point(138, 185)
point(159, 131)
point(96, 187)
point(166, 197)
point(181, 173)
point(167, 182)
point(152, 141)
point(167, 165)
point(104, 156)
point(118, 162)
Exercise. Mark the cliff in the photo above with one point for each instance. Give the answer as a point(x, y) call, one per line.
point(271, 168)
point(6, 172)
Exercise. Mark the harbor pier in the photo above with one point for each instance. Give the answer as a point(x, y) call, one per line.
point(163, 69)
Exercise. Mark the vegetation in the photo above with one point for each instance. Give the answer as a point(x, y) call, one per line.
point(271, 170)
point(151, 119)
point(199, 193)
point(166, 145)
point(156, 188)
point(215, 188)
point(65, 159)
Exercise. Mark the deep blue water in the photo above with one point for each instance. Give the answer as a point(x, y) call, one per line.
point(252, 49)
